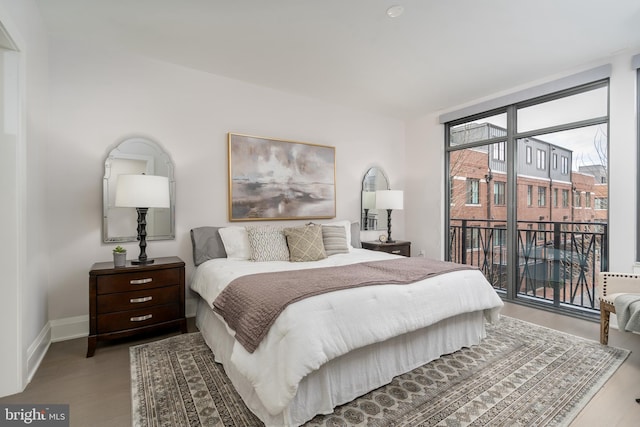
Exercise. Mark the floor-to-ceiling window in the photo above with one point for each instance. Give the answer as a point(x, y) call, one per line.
point(521, 181)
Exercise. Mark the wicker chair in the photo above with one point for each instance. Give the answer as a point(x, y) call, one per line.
point(612, 285)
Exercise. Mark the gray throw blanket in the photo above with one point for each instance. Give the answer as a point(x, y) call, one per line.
point(628, 312)
point(250, 304)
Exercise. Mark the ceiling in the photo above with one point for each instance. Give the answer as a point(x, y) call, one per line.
point(436, 55)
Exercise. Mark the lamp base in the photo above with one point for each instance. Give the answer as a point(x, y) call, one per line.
point(142, 262)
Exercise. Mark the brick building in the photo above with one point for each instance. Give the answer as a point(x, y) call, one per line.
point(548, 189)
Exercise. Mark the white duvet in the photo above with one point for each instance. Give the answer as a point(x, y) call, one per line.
point(315, 330)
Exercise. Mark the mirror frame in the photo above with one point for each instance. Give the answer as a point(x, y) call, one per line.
point(381, 224)
point(122, 150)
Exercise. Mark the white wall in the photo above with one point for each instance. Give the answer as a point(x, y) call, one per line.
point(100, 97)
point(425, 162)
point(425, 184)
point(24, 286)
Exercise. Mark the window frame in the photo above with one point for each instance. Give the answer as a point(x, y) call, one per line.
point(542, 196)
point(565, 165)
point(473, 193)
point(541, 159)
point(565, 198)
point(514, 189)
point(499, 189)
point(497, 151)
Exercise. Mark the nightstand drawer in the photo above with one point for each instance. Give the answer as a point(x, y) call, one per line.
point(123, 320)
point(131, 281)
point(133, 300)
point(403, 250)
point(399, 247)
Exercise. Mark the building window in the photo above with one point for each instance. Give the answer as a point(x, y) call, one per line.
point(498, 193)
point(555, 161)
point(565, 198)
point(542, 196)
point(577, 202)
point(473, 191)
point(473, 237)
point(498, 151)
point(529, 155)
point(452, 200)
point(529, 195)
point(541, 231)
point(587, 200)
point(499, 237)
point(565, 165)
point(601, 203)
point(541, 159)
point(555, 197)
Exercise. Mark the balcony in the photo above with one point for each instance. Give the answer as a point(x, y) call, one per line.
point(558, 262)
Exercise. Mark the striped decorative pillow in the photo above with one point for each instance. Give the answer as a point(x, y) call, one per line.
point(305, 243)
point(334, 238)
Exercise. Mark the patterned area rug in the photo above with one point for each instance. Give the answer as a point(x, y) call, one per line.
point(520, 375)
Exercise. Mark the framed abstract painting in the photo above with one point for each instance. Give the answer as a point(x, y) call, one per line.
point(274, 179)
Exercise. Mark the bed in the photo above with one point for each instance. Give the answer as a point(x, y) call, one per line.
point(326, 350)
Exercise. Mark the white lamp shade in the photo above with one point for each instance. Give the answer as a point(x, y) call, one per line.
point(390, 199)
point(368, 200)
point(142, 191)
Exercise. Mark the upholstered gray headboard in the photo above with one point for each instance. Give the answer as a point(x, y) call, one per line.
point(207, 244)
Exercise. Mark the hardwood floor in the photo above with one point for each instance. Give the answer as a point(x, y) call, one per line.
point(98, 389)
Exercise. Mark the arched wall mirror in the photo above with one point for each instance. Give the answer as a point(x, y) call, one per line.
point(136, 156)
point(373, 219)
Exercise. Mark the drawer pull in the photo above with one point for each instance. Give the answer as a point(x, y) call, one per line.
point(396, 252)
point(141, 281)
point(138, 300)
point(141, 318)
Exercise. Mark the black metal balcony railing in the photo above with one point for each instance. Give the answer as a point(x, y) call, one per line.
point(558, 262)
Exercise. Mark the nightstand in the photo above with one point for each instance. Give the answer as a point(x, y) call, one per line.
point(399, 247)
point(135, 299)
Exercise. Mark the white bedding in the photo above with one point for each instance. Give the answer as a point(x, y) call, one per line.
point(315, 330)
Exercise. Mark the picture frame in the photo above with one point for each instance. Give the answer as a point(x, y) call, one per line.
point(277, 179)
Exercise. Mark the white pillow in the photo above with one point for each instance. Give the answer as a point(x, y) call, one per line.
point(347, 230)
point(236, 242)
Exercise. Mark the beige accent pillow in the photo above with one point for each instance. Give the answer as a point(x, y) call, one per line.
point(347, 229)
point(267, 244)
point(335, 240)
point(305, 243)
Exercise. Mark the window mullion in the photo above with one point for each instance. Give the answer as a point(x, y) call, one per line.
point(512, 198)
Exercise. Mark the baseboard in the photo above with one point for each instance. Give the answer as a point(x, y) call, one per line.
point(37, 351)
point(54, 331)
point(69, 328)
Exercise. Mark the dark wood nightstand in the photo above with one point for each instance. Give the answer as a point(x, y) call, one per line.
point(135, 299)
point(399, 247)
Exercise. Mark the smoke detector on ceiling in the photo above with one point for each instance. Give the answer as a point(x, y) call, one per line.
point(395, 11)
